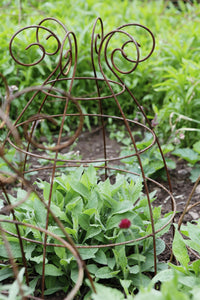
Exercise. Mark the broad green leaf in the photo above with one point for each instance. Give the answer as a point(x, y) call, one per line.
point(196, 147)
point(8, 226)
point(53, 290)
point(50, 270)
point(59, 213)
point(180, 250)
point(160, 246)
point(46, 189)
point(194, 232)
point(40, 212)
point(60, 252)
point(137, 257)
point(74, 274)
point(195, 266)
point(105, 273)
point(157, 213)
point(188, 154)
point(118, 184)
point(135, 189)
point(178, 268)
point(167, 148)
point(15, 250)
point(134, 270)
point(148, 265)
point(193, 245)
point(87, 253)
point(165, 275)
point(121, 259)
point(195, 173)
point(189, 281)
point(196, 293)
point(125, 284)
point(59, 199)
point(106, 293)
point(91, 175)
point(141, 280)
point(38, 259)
point(84, 221)
point(111, 262)
point(80, 188)
point(6, 273)
point(13, 291)
point(75, 207)
point(90, 212)
point(92, 268)
point(100, 257)
point(122, 207)
point(93, 230)
point(149, 294)
point(66, 261)
point(62, 183)
point(105, 188)
point(29, 250)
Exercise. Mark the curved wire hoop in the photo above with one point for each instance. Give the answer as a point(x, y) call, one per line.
point(107, 57)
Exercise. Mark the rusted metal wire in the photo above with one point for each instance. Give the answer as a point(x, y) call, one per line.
point(65, 73)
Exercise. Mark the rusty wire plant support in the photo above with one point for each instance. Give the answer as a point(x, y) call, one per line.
point(65, 73)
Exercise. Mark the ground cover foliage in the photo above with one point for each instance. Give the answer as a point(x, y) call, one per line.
point(168, 87)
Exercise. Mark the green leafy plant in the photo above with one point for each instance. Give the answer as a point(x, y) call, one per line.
point(192, 156)
point(182, 279)
point(91, 213)
point(165, 83)
point(12, 291)
point(151, 159)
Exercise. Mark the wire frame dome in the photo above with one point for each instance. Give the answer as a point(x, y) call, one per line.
point(114, 56)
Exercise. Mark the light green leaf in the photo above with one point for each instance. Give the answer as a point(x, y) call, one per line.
point(101, 257)
point(91, 175)
point(121, 259)
point(75, 207)
point(188, 154)
point(60, 252)
point(180, 250)
point(92, 268)
point(38, 259)
point(125, 284)
point(59, 213)
point(50, 270)
point(84, 221)
point(15, 250)
point(106, 272)
point(134, 270)
point(165, 275)
point(122, 207)
point(106, 293)
point(196, 147)
point(194, 174)
point(40, 212)
point(92, 231)
point(194, 232)
point(80, 188)
point(87, 253)
point(6, 273)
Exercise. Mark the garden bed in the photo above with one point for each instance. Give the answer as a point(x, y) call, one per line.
point(90, 143)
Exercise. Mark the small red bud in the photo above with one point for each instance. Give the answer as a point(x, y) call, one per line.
point(125, 223)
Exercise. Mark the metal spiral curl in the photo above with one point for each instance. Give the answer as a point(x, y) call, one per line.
point(67, 51)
